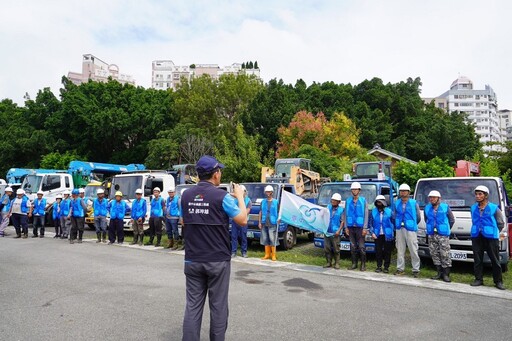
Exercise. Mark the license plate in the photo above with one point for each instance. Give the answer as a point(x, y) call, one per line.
point(250, 234)
point(458, 255)
point(345, 246)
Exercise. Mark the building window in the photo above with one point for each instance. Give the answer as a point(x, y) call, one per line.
point(456, 104)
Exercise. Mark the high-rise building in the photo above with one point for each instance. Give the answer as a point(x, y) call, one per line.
point(166, 75)
point(505, 116)
point(481, 107)
point(97, 70)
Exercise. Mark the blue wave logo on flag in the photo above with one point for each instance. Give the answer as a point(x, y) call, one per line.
point(302, 214)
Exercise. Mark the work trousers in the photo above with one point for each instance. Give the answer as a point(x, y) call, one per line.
point(408, 239)
point(100, 224)
point(238, 232)
point(20, 222)
point(4, 223)
point(116, 229)
point(439, 247)
point(65, 226)
point(269, 235)
point(38, 223)
point(171, 227)
point(210, 278)
point(155, 226)
point(138, 227)
point(77, 224)
point(491, 246)
point(383, 250)
point(356, 240)
point(331, 246)
point(56, 224)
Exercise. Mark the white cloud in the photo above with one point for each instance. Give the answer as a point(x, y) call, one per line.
point(342, 41)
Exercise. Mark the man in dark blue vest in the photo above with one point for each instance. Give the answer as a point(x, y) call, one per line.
point(486, 230)
point(206, 211)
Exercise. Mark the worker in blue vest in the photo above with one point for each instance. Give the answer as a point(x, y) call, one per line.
point(269, 223)
point(100, 209)
point(488, 227)
point(355, 220)
point(156, 217)
point(117, 211)
point(439, 220)
point(332, 240)
point(37, 212)
point(20, 206)
point(382, 232)
point(56, 215)
point(206, 213)
point(138, 215)
point(78, 209)
point(5, 207)
point(407, 215)
point(172, 216)
point(65, 217)
point(240, 232)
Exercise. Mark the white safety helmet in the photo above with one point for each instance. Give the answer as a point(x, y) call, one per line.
point(404, 187)
point(66, 192)
point(40, 192)
point(100, 191)
point(355, 185)
point(434, 194)
point(8, 189)
point(156, 189)
point(171, 189)
point(336, 196)
point(269, 188)
point(138, 191)
point(81, 190)
point(58, 196)
point(382, 199)
point(482, 189)
point(20, 191)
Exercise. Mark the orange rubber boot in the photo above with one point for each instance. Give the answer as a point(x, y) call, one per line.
point(267, 252)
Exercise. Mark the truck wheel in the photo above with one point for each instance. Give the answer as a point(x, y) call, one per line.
point(504, 267)
point(288, 238)
point(311, 237)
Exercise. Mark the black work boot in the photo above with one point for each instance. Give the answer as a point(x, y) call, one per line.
point(18, 234)
point(439, 273)
point(363, 263)
point(41, 235)
point(158, 240)
point(337, 261)
point(150, 242)
point(135, 239)
point(329, 261)
point(34, 233)
point(446, 275)
point(141, 240)
point(98, 235)
point(80, 235)
point(104, 237)
point(354, 261)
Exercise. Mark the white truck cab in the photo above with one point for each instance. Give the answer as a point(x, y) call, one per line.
point(128, 182)
point(458, 193)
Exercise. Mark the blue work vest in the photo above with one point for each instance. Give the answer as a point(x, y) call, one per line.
point(439, 222)
point(408, 217)
point(24, 204)
point(173, 206)
point(65, 204)
point(355, 213)
point(117, 209)
point(139, 209)
point(485, 224)
point(156, 207)
point(273, 211)
point(335, 218)
point(78, 210)
point(385, 222)
point(7, 206)
point(39, 207)
point(55, 211)
point(100, 207)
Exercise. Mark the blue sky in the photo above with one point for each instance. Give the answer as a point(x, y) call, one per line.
point(340, 41)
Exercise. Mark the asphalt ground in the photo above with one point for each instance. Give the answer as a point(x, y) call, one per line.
point(51, 290)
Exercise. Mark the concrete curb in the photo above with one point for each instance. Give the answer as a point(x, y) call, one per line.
point(369, 276)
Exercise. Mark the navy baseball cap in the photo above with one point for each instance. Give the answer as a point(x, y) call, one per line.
point(207, 164)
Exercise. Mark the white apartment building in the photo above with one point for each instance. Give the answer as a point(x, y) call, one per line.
point(98, 70)
point(480, 106)
point(505, 124)
point(166, 75)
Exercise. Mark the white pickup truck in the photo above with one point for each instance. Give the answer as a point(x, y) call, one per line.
point(458, 193)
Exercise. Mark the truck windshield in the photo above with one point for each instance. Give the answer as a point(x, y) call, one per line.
point(369, 170)
point(256, 192)
point(368, 191)
point(457, 193)
point(127, 185)
point(91, 191)
point(283, 169)
point(31, 183)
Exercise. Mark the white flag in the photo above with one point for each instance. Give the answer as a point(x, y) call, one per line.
point(301, 213)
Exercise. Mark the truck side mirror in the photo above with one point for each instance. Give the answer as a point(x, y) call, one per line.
point(147, 192)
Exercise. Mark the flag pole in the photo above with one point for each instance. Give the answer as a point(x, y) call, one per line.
point(279, 216)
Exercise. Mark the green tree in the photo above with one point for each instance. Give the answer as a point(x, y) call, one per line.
point(56, 160)
point(256, 65)
point(405, 172)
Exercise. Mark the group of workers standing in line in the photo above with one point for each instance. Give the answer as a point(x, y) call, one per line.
point(399, 225)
